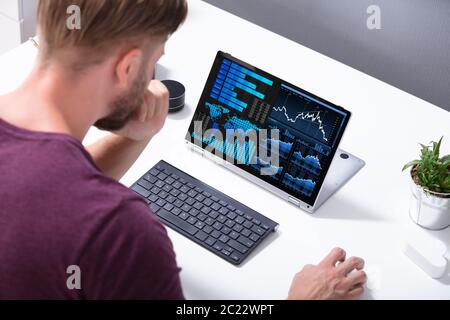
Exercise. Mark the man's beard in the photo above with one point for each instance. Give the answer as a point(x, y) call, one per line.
point(125, 106)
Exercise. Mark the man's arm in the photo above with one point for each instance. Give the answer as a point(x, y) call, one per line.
point(116, 153)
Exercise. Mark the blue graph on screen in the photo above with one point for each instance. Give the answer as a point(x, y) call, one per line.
point(234, 83)
point(305, 115)
point(305, 186)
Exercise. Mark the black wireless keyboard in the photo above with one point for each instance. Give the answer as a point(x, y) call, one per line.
point(205, 215)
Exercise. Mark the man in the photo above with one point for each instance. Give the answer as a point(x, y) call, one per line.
point(61, 206)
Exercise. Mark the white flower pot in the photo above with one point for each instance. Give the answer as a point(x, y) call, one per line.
point(429, 210)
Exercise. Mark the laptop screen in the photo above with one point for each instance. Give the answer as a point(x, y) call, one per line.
point(268, 127)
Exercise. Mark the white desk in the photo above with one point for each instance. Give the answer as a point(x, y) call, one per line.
point(367, 217)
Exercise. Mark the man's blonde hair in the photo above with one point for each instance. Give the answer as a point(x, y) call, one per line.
point(105, 24)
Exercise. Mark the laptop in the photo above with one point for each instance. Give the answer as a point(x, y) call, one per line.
point(273, 133)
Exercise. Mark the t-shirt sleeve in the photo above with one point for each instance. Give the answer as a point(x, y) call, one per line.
point(130, 256)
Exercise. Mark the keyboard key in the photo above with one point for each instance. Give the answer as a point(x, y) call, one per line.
point(238, 228)
point(256, 221)
point(231, 208)
point(176, 211)
point(198, 189)
point(234, 235)
point(159, 167)
point(182, 197)
point(154, 172)
point(175, 192)
point(191, 193)
point(201, 216)
point(186, 208)
point(225, 230)
point(245, 241)
point(216, 234)
point(232, 215)
point(248, 217)
point(177, 185)
point(239, 220)
point(248, 224)
point(200, 224)
point(198, 205)
point(192, 220)
point(265, 226)
point(190, 201)
point(163, 195)
point(186, 189)
point(153, 198)
point(237, 246)
point(216, 207)
point(254, 237)
point(206, 210)
point(178, 203)
point(207, 202)
point(230, 223)
point(168, 188)
point(182, 181)
point(246, 233)
point(215, 199)
point(235, 257)
point(201, 236)
point(200, 198)
point(239, 213)
point(145, 184)
point(174, 176)
point(224, 238)
point(170, 180)
point(213, 214)
point(171, 199)
point(208, 229)
point(162, 176)
point(154, 207)
point(174, 220)
point(194, 212)
point(218, 246)
point(142, 191)
point(207, 194)
point(223, 211)
point(222, 219)
point(225, 252)
point(210, 241)
point(168, 206)
point(209, 221)
point(161, 202)
point(155, 190)
point(190, 185)
point(223, 203)
point(150, 178)
point(217, 226)
point(184, 216)
point(258, 230)
point(159, 184)
point(166, 172)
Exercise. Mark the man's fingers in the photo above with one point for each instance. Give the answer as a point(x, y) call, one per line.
point(355, 292)
point(336, 255)
point(356, 279)
point(351, 264)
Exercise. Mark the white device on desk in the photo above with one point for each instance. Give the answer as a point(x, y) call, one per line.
point(298, 130)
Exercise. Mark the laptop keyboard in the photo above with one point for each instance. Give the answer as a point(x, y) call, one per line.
point(203, 214)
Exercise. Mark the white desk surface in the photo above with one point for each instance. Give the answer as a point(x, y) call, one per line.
point(368, 217)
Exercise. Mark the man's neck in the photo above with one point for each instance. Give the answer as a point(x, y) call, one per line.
point(52, 101)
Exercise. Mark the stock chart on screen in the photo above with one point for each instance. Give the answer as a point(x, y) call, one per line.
point(241, 98)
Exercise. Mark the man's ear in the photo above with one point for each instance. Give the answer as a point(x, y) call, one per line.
point(127, 68)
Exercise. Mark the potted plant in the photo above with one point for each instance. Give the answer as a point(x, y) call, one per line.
point(430, 186)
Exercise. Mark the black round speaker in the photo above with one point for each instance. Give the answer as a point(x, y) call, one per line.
point(177, 93)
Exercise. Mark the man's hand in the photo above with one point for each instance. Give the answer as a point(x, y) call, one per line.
point(334, 278)
point(152, 115)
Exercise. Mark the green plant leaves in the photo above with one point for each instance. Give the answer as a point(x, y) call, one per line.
point(432, 172)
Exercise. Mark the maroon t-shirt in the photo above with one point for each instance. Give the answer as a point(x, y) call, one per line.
point(58, 210)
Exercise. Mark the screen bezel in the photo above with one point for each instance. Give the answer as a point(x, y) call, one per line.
point(309, 201)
